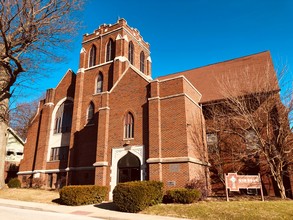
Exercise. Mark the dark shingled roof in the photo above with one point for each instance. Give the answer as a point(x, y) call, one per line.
point(249, 74)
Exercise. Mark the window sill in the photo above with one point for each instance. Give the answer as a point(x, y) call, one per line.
point(89, 125)
point(128, 139)
point(53, 161)
point(61, 133)
point(98, 65)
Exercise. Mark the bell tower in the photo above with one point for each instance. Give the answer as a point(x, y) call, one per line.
point(111, 49)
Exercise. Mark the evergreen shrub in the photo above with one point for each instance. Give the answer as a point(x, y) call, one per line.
point(83, 195)
point(183, 195)
point(14, 183)
point(138, 195)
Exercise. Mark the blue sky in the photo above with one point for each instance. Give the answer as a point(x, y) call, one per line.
point(190, 33)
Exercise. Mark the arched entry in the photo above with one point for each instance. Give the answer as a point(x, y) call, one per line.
point(129, 168)
point(118, 154)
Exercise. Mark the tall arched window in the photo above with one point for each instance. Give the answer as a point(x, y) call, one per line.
point(128, 126)
point(92, 56)
point(110, 50)
point(63, 117)
point(99, 83)
point(130, 52)
point(90, 114)
point(142, 61)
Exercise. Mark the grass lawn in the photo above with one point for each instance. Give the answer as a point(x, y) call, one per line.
point(226, 210)
point(202, 210)
point(30, 195)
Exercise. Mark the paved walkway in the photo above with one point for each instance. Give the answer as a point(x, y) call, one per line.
point(102, 211)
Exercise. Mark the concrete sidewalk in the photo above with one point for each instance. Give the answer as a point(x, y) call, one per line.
point(102, 211)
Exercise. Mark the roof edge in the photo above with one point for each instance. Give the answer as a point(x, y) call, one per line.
point(16, 135)
point(225, 61)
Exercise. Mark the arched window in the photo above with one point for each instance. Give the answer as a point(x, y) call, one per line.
point(142, 61)
point(130, 52)
point(128, 126)
point(99, 83)
point(110, 50)
point(63, 117)
point(92, 56)
point(90, 114)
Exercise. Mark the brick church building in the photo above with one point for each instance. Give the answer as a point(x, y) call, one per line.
point(111, 122)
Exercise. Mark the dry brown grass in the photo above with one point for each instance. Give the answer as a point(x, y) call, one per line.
point(226, 210)
point(31, 195)
point(244, 209)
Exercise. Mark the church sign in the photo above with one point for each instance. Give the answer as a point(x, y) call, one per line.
point(234, 182)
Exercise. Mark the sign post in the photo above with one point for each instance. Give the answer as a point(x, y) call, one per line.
point(234, 182)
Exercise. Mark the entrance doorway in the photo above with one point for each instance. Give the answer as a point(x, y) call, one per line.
point(129, 168)
point(128, 164)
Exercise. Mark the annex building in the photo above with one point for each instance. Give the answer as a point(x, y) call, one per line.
point(112, 122)
point(14, 154)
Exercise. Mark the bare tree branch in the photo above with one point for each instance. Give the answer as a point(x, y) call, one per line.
point(253, 104)
point(31, 31)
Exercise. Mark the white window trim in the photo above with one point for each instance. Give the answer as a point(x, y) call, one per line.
point(55, 140)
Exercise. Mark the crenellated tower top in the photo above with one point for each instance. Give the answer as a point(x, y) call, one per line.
point(115, 42)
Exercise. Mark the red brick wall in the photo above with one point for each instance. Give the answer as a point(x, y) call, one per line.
point(129, 95)
point(175, 121)
point(26, 163)
point(160, 123)
point(38, 133)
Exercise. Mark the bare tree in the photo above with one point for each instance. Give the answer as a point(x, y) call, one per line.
point(21, 115)
point(197, 139)
point(258, 119)
point(30, 33)
point(229, 149)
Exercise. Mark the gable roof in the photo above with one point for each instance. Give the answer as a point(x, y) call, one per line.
point(69, 73)
point(130, 67)
point(244, 73)
point(15, 135)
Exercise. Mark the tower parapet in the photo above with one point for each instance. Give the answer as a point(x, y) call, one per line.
point(115, 42)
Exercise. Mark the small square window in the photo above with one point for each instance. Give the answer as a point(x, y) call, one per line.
point(212, 142)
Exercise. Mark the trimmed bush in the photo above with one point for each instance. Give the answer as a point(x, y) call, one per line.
point(184, 196)
point(138, 195)
point(83, 195)
point(14, 183)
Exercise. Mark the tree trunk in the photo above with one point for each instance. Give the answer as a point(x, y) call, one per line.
point(277, 175)
point(278, 178)
point(3, 139)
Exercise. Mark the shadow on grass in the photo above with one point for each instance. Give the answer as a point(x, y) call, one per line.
point(108, 206)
